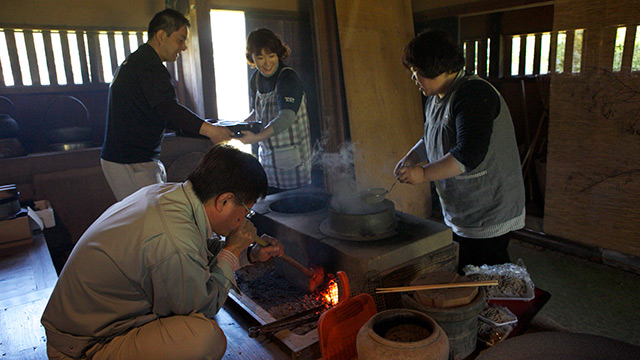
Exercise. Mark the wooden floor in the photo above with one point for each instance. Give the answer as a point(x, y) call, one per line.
point(27, 277)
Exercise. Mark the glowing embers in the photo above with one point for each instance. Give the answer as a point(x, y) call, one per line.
point(331, 294)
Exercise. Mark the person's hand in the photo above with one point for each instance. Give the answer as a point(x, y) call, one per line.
point(402, 163)
point(215, 133)
point(240, 238)
point(248, 137)
point(264, 253)
point(411, 175)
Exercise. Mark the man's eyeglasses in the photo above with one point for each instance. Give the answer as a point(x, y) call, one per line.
point(250, 212)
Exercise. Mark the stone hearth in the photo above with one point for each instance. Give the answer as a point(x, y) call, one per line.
point(300, 233)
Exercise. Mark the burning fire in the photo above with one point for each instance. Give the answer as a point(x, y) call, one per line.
point(330, 294)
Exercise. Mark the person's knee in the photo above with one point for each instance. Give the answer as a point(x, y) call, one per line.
point(209, 339)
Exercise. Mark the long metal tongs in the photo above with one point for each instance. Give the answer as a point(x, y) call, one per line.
point(288, 322)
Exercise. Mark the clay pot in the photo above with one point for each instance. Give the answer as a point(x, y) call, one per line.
point(423, 338)
point(459, 322)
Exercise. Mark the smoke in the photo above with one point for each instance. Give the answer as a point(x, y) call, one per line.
point(347, 196)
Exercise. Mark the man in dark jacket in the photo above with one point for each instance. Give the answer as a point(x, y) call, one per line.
point(142, 103)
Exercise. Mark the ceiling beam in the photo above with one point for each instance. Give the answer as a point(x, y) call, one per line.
point(438, 9)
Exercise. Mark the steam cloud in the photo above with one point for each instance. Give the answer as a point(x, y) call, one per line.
point(346, 194)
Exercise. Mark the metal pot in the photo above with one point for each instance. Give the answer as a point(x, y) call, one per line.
point(377, 223)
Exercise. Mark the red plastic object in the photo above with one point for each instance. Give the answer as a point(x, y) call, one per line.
point(338, 327)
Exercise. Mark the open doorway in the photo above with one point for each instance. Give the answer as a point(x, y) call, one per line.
point(228, 36)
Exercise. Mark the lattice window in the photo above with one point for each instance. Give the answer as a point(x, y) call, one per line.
point(478, 55)
point(54, 57)
point(626, 47)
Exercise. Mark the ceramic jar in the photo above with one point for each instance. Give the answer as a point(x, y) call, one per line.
point(415, 336)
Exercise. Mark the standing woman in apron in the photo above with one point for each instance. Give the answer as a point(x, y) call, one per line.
point(279, 102)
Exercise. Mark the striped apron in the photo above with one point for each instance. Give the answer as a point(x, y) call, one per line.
point(286, 157)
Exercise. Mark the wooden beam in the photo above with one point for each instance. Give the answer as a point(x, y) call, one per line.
point(470, 56)
point(568, 53)
point(495, 34)
point(127, 45)
point(204, 80)
point(112, 51)
point(13, 56)
point(506, 56)
point(66, 56)
point(553, 50)
point(482, 58)
point(84, 66)
point(372, 35)
point(140, 36)
point(31, 56)
point(472, 8)
point(94, 57)
point(607, 47)
point(627, 53)
point(523, 55)
point(51, 64)
point(537, 52)
point(1, 74)
point(332, 105)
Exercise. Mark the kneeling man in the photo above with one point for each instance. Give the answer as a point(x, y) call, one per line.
point(148, 276)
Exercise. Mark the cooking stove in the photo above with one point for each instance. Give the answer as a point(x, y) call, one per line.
point(304, 241)
point(295, 217)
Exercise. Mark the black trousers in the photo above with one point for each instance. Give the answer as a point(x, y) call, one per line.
point(489, 251)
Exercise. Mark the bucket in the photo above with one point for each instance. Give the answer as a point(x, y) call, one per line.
point(401, 334)
point(460, 323)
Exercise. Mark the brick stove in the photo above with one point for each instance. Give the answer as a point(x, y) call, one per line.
point(295, 217)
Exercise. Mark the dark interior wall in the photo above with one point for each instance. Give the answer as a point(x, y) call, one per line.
point(522, 21)
point(39, 111)
point(31, 102)
point(79, 13)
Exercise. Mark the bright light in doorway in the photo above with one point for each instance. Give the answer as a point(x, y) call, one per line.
point(229, 36)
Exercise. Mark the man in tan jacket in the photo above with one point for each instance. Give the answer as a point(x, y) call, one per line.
point(148, 276)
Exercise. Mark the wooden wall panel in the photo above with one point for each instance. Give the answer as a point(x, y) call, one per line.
point(385, 113)
point(79, 13)
point(593, 167)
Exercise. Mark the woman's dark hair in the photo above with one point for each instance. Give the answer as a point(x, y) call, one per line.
point(227, 169)
point(432, 53)
point(263, 38)
point(168, 20)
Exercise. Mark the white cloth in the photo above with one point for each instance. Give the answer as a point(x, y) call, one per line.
point(125, 179)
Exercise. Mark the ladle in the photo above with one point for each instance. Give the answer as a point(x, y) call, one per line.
point(376, 195)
